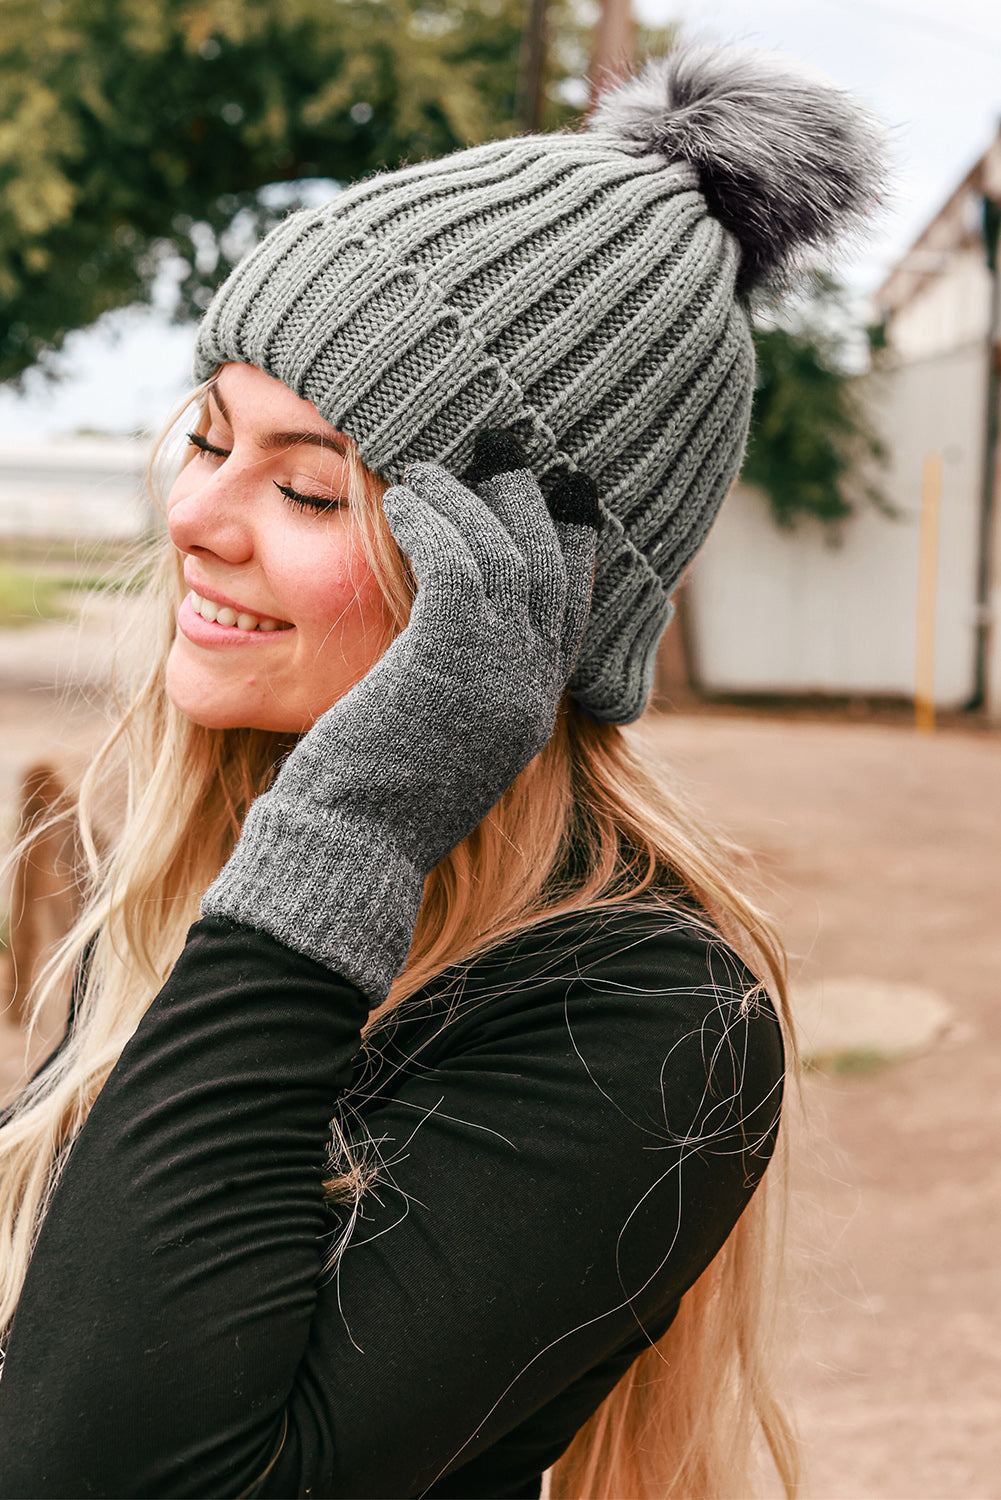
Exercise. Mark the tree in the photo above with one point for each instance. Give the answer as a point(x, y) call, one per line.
point(813, 450)
point(131, 130)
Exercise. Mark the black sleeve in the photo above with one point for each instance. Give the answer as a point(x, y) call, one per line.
point(557, 1167)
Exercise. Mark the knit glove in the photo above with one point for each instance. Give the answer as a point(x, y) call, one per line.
point(332, 859)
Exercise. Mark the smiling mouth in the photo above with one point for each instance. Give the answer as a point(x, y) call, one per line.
point(222, 614)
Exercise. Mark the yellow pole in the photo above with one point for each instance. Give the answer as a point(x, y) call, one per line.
point(924, 676)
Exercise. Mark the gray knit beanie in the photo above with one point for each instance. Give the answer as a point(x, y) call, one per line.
point(587, 290)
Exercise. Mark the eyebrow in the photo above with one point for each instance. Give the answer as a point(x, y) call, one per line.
point(273, 440)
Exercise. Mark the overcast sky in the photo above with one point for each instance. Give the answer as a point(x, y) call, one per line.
point(930, 68)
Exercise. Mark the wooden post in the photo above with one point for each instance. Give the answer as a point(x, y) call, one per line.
point(924, 674)
point(612, 53)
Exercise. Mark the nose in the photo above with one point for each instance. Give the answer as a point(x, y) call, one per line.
point(205, 516)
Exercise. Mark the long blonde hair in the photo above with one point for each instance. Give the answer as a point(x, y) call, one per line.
point(687, 1418)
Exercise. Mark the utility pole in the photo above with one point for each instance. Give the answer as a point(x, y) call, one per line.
point(528, 111)
point(612, 53)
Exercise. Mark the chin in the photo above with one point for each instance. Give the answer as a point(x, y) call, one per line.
point(223, 716)
point(212, 708)
point(221, 719)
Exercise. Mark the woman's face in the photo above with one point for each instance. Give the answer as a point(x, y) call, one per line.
point(283, 613)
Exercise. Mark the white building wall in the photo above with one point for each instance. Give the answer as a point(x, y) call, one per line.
point(950, 310)
point(776, 611)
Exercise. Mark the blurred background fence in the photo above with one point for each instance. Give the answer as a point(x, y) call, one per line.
point(78, 488)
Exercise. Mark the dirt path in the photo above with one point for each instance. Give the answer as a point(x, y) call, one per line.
point(882, 854)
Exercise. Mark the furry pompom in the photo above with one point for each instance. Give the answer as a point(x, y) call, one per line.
point(784, 162)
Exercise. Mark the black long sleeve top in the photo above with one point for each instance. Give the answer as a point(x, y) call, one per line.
point(563, 1135)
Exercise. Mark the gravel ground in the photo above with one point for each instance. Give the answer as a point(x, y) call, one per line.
point(880, 856)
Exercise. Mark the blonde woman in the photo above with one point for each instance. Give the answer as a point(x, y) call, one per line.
point(420, 1076)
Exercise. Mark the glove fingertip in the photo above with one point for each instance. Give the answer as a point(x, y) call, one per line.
point(399, 504)
point(495, 451)
point(392, 501)
point(415, 474)
point(573, 498)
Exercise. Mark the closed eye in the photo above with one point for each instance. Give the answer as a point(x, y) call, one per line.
point(309, 502)
point(204, 446)
point(294, 497)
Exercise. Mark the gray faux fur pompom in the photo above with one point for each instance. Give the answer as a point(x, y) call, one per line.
point(785, 162)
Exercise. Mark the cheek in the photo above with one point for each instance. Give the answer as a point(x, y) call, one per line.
point(340, 603)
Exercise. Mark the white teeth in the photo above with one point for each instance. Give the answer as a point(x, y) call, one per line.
point(223, 614)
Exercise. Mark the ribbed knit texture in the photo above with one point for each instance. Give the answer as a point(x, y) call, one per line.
point(564, 287)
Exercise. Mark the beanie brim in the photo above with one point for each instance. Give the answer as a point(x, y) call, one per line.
point(613, 676)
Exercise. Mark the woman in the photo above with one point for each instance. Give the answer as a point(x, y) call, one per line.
point(432, 1144)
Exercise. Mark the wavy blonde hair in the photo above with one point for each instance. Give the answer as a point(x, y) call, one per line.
point(688, 1418)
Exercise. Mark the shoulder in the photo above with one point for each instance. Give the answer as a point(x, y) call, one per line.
point(626, 1057)
point(639, 951)
point(640, 1000)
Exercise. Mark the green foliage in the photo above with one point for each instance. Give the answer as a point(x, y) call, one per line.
point(813, 449)
point(131, 129)
point(25, 599)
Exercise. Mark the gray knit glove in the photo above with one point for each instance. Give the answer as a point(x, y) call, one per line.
point(332, 860)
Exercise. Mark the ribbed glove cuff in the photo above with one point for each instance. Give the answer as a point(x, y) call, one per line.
point(325, 886)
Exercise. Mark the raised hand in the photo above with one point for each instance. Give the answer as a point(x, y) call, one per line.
point(332, 860)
